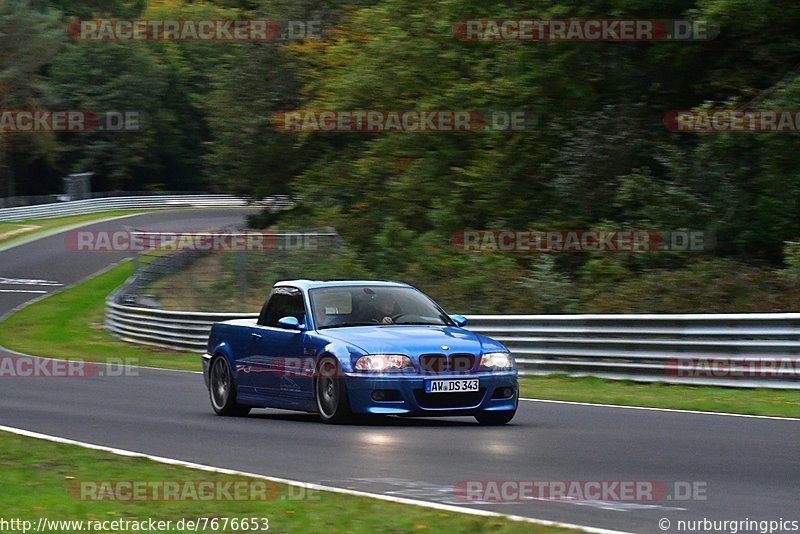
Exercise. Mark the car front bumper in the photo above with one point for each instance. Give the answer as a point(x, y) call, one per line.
point(408, 395)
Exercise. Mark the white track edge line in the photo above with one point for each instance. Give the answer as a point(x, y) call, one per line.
point(61, 229)
point(307, 485)
point(654, 409)
point(75, 226)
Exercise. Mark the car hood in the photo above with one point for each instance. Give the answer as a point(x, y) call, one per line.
point(412, 340)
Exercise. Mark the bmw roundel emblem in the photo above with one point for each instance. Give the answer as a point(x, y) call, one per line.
point(444, 347)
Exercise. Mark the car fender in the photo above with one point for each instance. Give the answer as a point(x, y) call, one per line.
point(225, 349)
point(222, 348)
point(343, 352)
point(490, 345)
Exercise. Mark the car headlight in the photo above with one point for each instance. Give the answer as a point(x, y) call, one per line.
point(497, 360)
point(383, 362)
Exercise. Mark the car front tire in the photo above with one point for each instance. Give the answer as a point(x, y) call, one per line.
point(222, 389)
point(330, 392)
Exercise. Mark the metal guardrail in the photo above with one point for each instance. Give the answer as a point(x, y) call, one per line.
point(643, 348)
point(94, 205)
point(178, 330)
point(54, 198)
point(675, 348)
point(137, 317)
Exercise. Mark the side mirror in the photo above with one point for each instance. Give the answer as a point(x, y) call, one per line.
point(289, 323)
point(460, 320)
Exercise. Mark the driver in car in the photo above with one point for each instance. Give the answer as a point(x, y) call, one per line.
point(384, 308)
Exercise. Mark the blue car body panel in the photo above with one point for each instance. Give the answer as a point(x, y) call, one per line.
point(274, 367)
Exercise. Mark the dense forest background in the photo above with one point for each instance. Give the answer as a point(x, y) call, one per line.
point(599, 155)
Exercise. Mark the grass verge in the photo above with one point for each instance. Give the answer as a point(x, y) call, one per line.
point(69, 324)
point(18, 232)
point(43, 479)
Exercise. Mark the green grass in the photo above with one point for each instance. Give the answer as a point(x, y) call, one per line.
point(42, 479)
point(17, 232)
point(760, 401)
point(69, 324)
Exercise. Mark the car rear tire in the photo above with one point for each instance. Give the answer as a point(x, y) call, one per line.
point(495, 418)
point(222, 390)
point(330, 392)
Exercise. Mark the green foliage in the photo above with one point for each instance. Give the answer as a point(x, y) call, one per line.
point(597, 154)
point(710, 286)
point(29, 39)
point(791, 253)
point(115, 76)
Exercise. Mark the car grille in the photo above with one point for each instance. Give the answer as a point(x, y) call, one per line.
point(466, 399)
point(441, 363)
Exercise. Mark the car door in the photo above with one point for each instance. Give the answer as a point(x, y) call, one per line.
point(274, 352)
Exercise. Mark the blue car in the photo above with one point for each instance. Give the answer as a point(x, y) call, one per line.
point(345, 349)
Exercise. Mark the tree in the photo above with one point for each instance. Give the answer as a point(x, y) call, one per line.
point(29, 39)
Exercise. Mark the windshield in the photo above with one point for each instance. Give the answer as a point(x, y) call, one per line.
point(334, 307)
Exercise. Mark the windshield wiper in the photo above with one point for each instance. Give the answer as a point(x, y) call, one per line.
point(420, 323)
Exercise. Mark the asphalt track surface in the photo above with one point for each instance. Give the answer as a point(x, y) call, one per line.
point(748, 467)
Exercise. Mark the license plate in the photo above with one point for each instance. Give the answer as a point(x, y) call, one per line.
point(451, 386)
